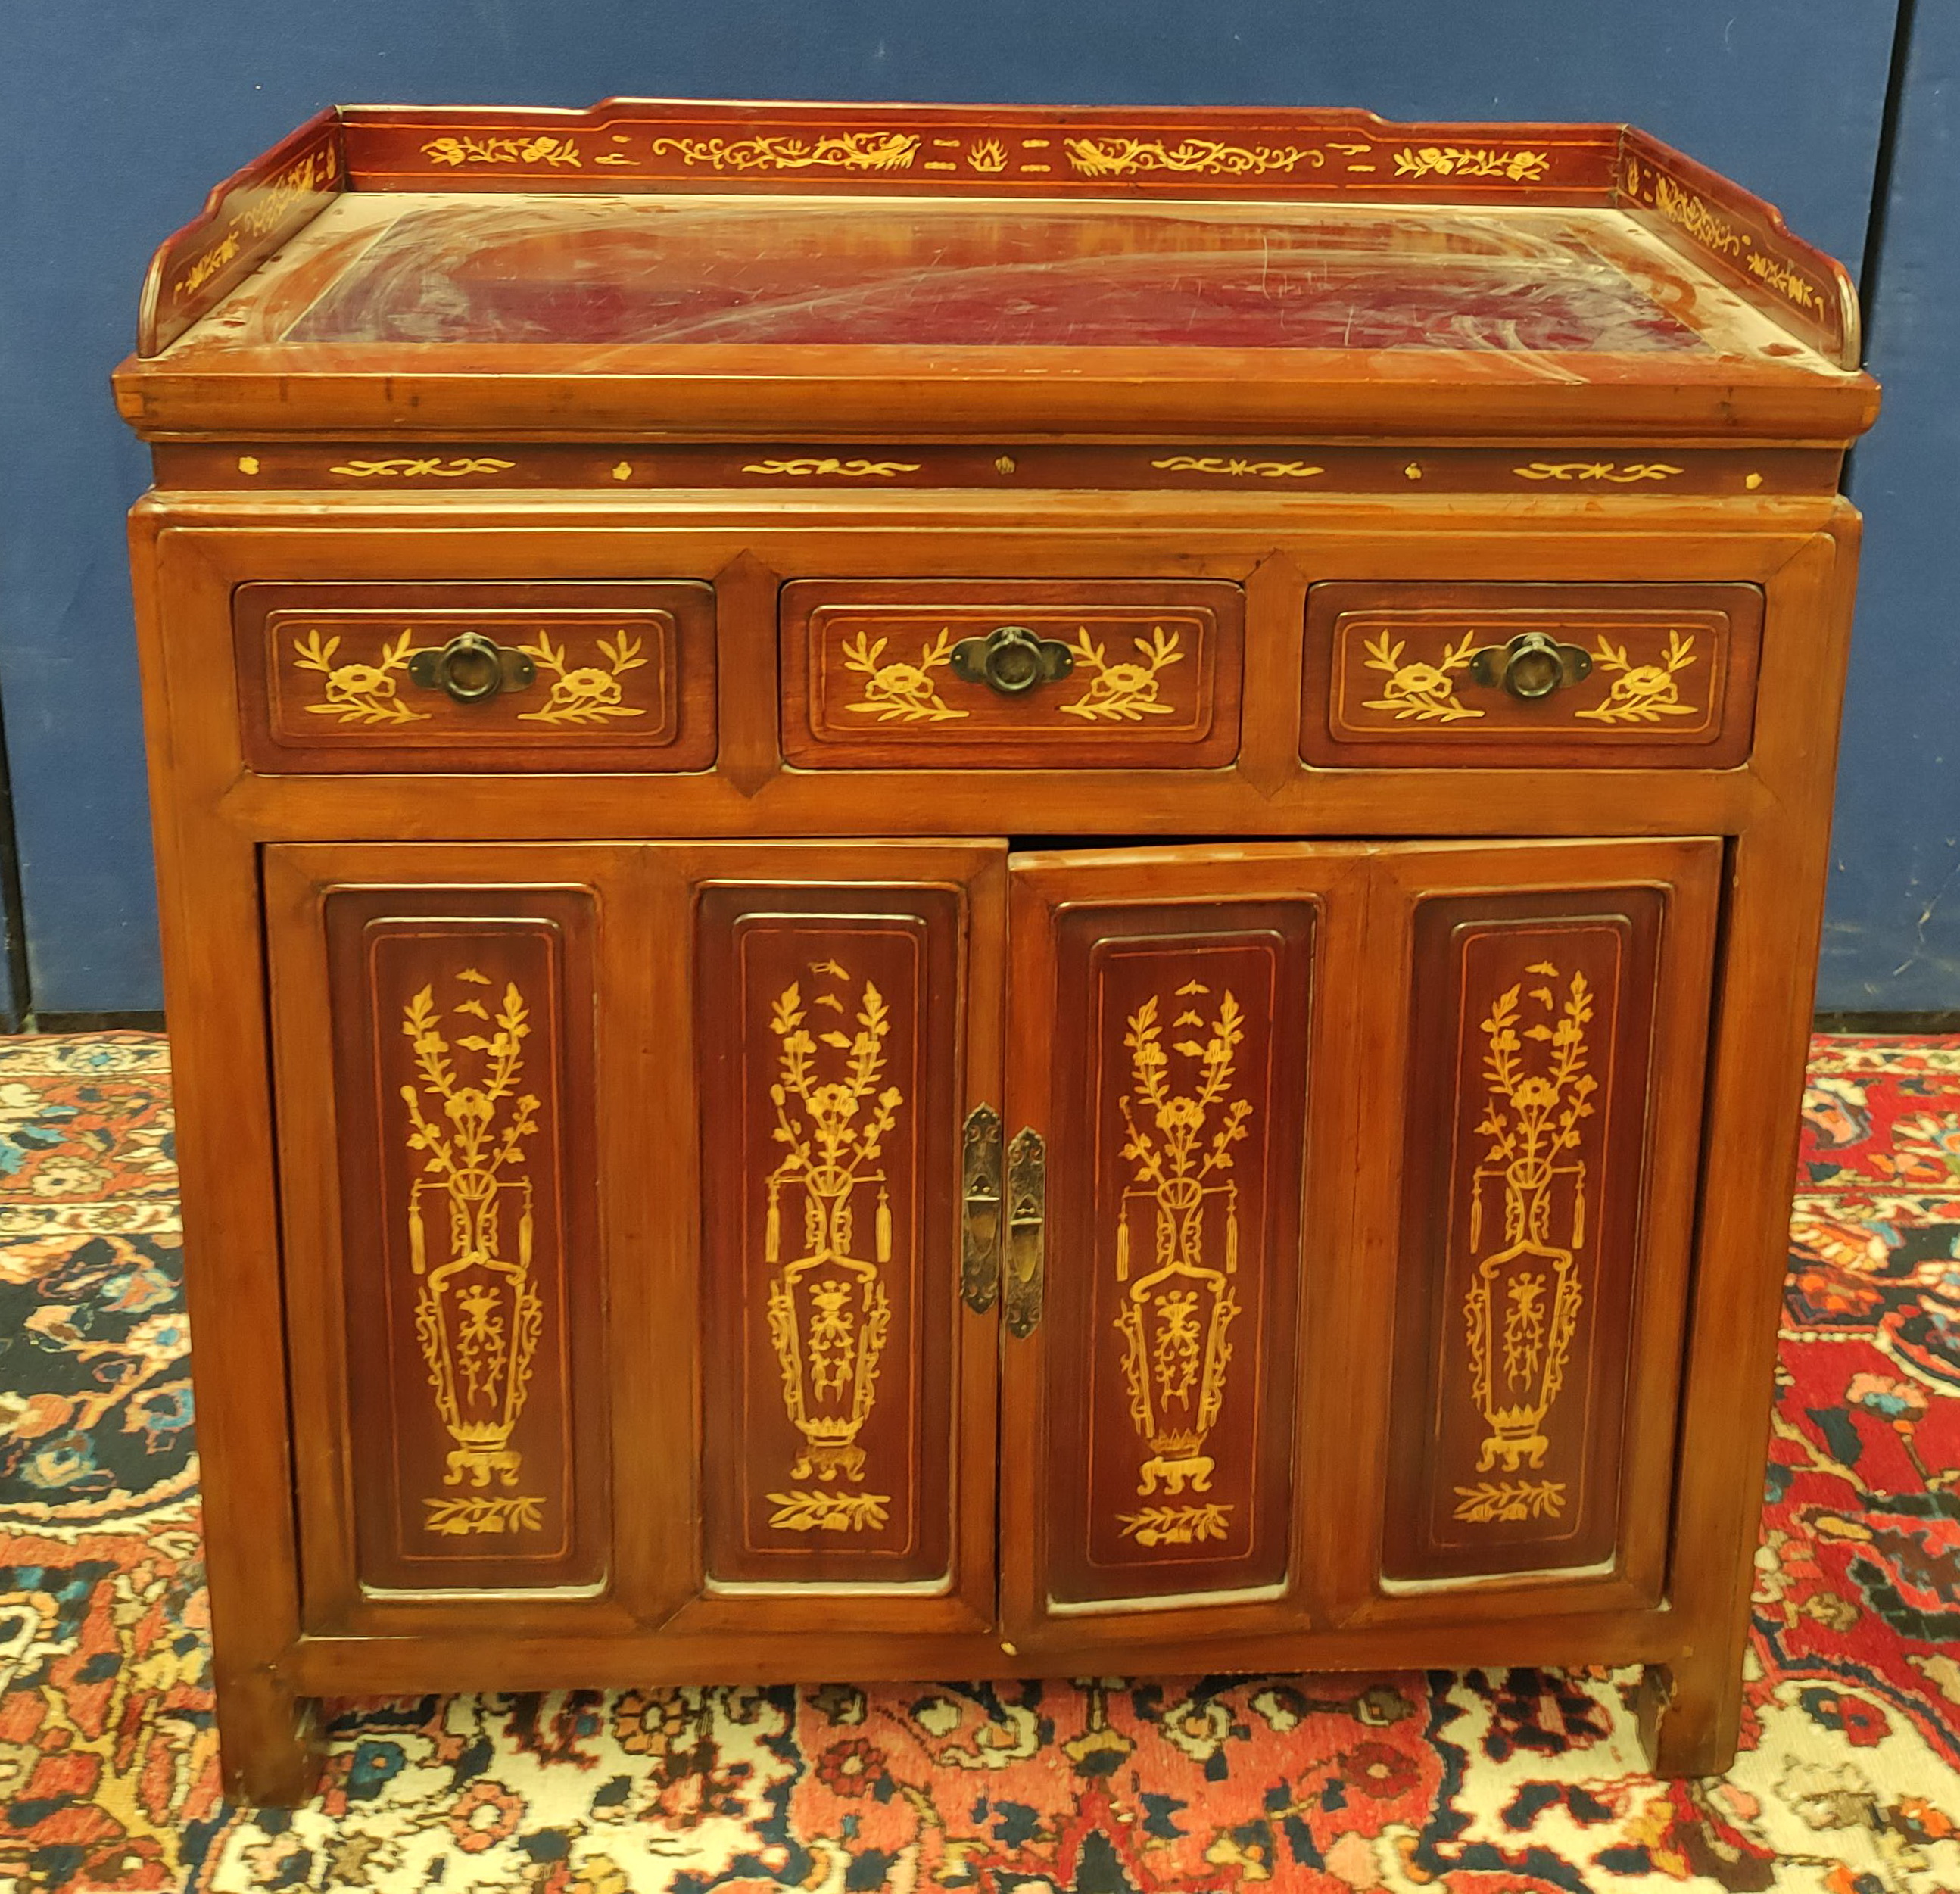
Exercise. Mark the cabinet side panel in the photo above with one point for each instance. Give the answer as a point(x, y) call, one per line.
point(1533, 1020)
point(463, 1049)
point(830, 1051)
point(1175, 1182)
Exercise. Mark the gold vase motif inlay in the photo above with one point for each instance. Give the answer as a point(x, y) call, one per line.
point(829, 1312)
point(1525, 1298)
point(1178, 1304)
point(478, 1316)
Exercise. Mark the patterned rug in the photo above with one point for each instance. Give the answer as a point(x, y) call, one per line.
point(1511, 1781)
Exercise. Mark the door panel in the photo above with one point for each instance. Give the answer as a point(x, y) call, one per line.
point(439, 1099)
point(844, 1032)
point(1163, 1006)
point(1550, 1124)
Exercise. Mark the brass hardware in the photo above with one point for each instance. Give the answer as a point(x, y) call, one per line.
point(1011, 659)
point(1027, 1192)
point(472, 669)
point(1531, 667)
point(980, 1206)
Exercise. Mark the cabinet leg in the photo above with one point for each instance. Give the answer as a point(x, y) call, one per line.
point(1691, 1715)
point(269, 1748)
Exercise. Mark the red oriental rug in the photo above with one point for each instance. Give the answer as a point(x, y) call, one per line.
point(1513, 1780)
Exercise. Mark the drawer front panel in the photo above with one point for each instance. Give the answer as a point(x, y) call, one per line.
point(477, 677)
point(1615, 675)
point(894, 674)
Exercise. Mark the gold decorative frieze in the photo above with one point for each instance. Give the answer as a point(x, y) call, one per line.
point(425, 467)
point(1634, 471)
point(831, 150)
point(828, 1310)
point(1123, 157)
point(897, 692)
point(209, 263)
point(987, 156)
point(1425, 692)
point(1643, 693)
point(1526, 1297)
point(1684, 208)
point(553, 153)
point(849, 469)
point(478, 1316)
point(262, 209)
point(585, 693)
point(1231, 469)
point(1786, 281)
point(357, 693)
point(1453, 160)
point(1182, 1203)
point(1125, 691)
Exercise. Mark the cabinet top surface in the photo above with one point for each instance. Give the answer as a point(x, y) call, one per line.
point(1317, 248)
point(574, 272)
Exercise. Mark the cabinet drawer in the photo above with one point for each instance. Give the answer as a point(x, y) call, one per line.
point(902, 673)
point(577, 675)
point(1523, 676)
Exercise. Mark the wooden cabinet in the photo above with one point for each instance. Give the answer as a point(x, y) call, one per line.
point(954, 974)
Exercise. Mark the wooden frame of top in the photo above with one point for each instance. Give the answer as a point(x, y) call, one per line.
point(1006, 152)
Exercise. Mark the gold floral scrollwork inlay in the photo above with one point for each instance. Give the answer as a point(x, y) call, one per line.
point(427, 467)
point(1176, 1313)
point(359, 693)
point(847, 469)
point(833, 150)
point(1627, 475)
point(555, 153)
point(1643, 693)
point(987, 155)
point(829, 1312)
point(585, 693)
point(1524, 1299)
point(898, 691)
point(1125, 691)
point(478, 1315)
point(1426, 692)
point(1451, 160)
point(1120, 156)
point(1233, 468)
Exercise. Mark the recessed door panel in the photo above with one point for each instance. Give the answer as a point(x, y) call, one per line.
point(845, 1033)
point(1549, 1123)
point(1165, 1037)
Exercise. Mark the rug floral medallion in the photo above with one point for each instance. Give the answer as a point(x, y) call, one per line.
point(1485, 1781)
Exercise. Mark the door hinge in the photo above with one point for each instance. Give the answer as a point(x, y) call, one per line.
point(980, 1209)
point(1027, 1191)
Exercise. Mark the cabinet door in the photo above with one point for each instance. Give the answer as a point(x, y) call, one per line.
point(846, 1009)
point(1177, 1048)
point(439, 1108)
point(1555, 1003)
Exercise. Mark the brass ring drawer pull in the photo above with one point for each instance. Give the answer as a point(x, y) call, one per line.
point(1531, 667)
point(1011, 660)
point(472, 669)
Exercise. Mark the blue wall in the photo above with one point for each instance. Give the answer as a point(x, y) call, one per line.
point(1892, 939)
point(113, 122)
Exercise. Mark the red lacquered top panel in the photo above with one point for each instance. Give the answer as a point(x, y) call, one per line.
point(603, 271)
